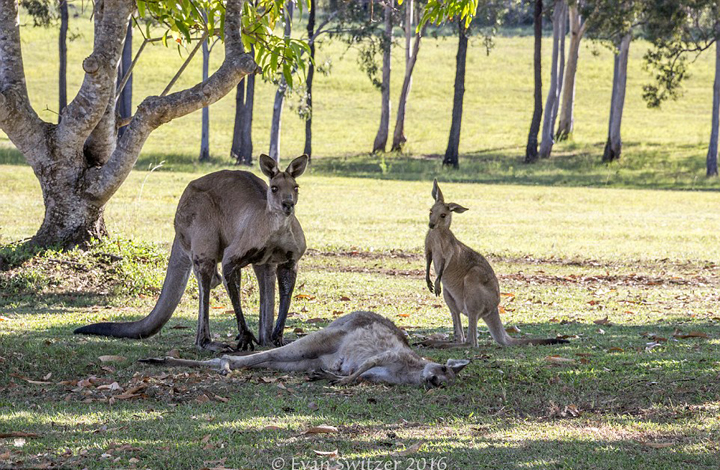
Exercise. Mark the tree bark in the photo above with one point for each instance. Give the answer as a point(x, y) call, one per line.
point(453, 147)
point(399, 138)
point(205, 127)
point(274, 152)
point(712, 155)
point(613, 147)
point(78, 162)
point(124, 101)
point(531, 150)
point(551, 104)
point(577, 31)
point(309, 83)
point(62, 46)
point(242, 145)
point(384, 130)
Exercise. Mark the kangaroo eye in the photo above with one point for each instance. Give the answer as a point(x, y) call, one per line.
point(296, 188)
point(444, 369)
point(443, 215)
point(274, 189)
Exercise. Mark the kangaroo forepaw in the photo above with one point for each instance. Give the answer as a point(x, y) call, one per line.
point(246, 341)
point(430, 286)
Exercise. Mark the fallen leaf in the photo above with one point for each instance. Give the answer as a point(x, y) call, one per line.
point(47, 377)
point(112, 358)
point(304, 296)
point(604, 321)
point(19, 442)
point(112, 387)
point(202, 399)
point(173, 353)
point(179, 327)
point(615, 349)
point(221, 399)
point(322, 429)
point(410, 450)
point(344, 298)
point(329, 454)
point(337, 313)
point(512, 329)
point(403, 315)
point(133, 460)
point(18, 434)
point(501, 310)
point(205, 439)
point(298, 331)
point(313, 406)
point(559, 360)
point(272, 427)
point(572, 410)
point(692, 334)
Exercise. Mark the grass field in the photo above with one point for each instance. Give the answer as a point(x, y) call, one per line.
point(621, 258)
point(630, 275)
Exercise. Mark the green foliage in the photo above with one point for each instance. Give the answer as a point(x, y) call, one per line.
point(439, 11)
point(186, 20)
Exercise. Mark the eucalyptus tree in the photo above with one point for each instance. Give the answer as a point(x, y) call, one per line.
point(683, 29)
point(531, 149)
point(79, 162)
point(383, 132)
point(560, 11)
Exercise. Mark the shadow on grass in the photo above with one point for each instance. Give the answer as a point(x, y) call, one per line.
point(643, 165)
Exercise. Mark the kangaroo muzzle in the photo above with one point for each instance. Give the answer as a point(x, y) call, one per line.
point(288, 207)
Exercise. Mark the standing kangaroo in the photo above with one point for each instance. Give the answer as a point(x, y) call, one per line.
point(471, 286)
point(360, 344)
point(233, 218)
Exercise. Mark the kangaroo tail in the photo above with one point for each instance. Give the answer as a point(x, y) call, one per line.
point(176, 279)
point(500, 335)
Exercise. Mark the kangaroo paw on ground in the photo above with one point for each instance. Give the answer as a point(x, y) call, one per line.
point(246, 340)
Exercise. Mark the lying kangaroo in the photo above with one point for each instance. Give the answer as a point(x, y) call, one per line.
point(360, 344)
point(471, 286)
point(231, 217)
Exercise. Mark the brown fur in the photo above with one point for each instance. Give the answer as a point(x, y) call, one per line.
point(360, 344)
point(470, 284)
point(233, 218)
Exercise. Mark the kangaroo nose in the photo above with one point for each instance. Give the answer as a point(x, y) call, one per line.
point(288, 206)
point(432, 225)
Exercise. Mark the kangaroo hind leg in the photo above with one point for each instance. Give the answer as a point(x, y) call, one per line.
point(204, 268)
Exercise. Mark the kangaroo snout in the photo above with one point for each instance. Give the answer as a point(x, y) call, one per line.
point(431, 225)
point(288, 207)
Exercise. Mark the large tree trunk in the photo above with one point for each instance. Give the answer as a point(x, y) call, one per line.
point(712, 155)
point(205, 127)
point(384, 130)
point(124, 101)
point(613, 147)
point(274, 152)
point(453, 148)
point(62, 46)
point(79, 162)
point(567, 120)
point(242, 145)
point(399, 138)
point(558, 65)
point(531, 150)
point(309, 83)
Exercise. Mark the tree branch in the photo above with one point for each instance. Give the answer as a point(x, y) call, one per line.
point(17, 118)
point(185, 64)
point(101, 183)
point(84, 113)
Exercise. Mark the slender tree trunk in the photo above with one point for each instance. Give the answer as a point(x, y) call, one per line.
point(613, 147)
point(567, 120)
point(551, 104)
point(399, 138)
point(62, 47)
point(205, 131)
point(531, 150)
point(124, 102)
point(309, 83)
point(384, 130)
point(242, 146)
point(712, 155)
point(453, 148)
point(274, 152)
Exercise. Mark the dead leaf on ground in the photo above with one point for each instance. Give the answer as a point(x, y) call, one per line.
point(272, 427)
point(3, 435)
point(604, 321)
point(173, 353)
point(112, 387)
point(329, 454)
point(616, 349)
point(304, 297)
point(345, 298)
point(179, 327)
point(512, 329)
point(692, 334)
point(313, 406)
point(410, 450)
point(112, 358)
point(558, 360)
point(205, 439)
point(322, 429)
point(403, 315)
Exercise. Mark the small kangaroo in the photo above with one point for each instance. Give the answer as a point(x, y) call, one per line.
point(358, 345)
point(233, 218)
point(471, 286)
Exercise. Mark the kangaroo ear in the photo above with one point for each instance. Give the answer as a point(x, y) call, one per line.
point(436, 193)
point(297, 167)
point(268, 166)
point(457, 364)
point(456, 208)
